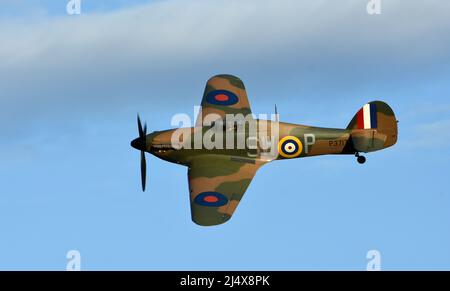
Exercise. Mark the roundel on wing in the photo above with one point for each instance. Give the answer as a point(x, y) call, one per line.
point(221, 97)
point(212, 199)
point(290, 147)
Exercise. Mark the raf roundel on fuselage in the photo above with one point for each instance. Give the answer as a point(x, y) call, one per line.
point(290, 147)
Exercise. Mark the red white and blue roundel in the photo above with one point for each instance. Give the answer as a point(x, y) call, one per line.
point(290, 147)
point(211, 199)
point(221, 97)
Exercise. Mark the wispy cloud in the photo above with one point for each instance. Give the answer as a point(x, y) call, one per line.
point(430, 135)
point(435, 134)
point(98, 61)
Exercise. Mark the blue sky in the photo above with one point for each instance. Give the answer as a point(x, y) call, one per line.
point(70, 87)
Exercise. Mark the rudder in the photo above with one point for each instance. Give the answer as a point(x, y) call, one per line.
point(374, 127)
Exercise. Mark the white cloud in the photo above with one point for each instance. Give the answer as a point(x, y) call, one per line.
point(186, 31)
point(54, 62)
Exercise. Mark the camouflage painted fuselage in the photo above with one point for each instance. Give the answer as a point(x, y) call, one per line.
point(314, 140)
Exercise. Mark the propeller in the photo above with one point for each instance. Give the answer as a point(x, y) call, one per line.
point(143, 170)
point(140, 144)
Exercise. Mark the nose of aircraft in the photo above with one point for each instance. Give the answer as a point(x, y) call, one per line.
point(139, 143)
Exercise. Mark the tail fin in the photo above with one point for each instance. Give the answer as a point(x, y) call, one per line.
point(374, 127)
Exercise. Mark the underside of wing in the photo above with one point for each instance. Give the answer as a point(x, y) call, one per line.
point(216, 186)
point(224, 94)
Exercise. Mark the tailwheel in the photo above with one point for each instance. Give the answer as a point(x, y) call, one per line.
point(360, 159)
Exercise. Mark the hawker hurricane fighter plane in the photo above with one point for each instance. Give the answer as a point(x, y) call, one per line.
point(219, 175)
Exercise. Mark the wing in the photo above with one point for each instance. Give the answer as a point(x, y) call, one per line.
point(224, 94)
point(217, 184)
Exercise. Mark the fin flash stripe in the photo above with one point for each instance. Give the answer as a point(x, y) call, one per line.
point(367, 116)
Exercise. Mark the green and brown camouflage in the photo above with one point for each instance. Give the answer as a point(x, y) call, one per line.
point(219, 177)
